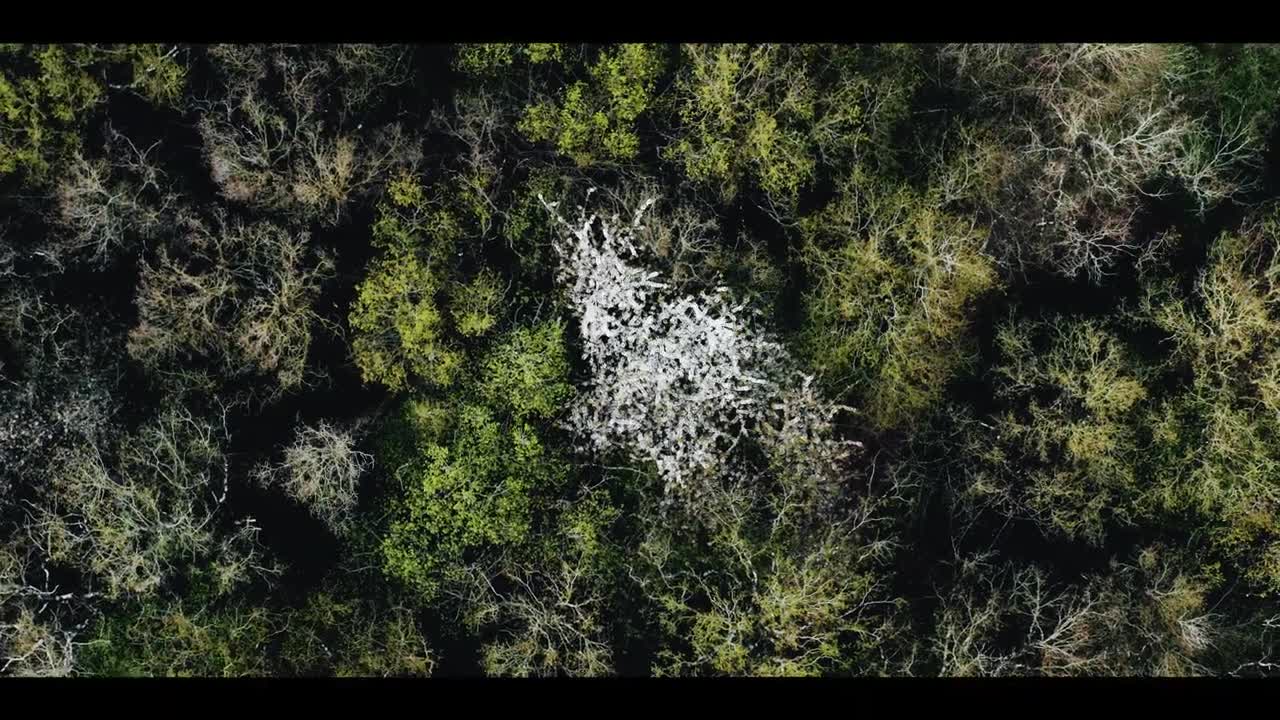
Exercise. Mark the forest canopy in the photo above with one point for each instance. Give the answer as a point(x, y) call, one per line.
point(569, 360)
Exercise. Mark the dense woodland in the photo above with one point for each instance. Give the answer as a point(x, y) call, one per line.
point(578, 360)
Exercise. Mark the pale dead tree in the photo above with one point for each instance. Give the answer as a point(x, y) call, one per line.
point(555, 623)
point(242, 294)
point(1095, 128)
point(321, 469)
point(677, 380)
point(671, 378)
point(132, 523)
point(269, 143)
point(106, 203)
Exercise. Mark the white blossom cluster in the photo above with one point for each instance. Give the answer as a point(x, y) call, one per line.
point(676, 380)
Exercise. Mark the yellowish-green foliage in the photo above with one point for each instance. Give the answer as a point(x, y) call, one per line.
point(544, 52)
point(398, 319)
point(471, 472)
point(1067, 447)
point(460, 498)
point(157, 74)
point(475, 305)
point(413, 224)
point(485, 58)
point(1221, 434)
point(46, 93)
point(894, 282)
point(744, 112)
point(526, 373)
point(768, 115)
point(595, 120)
point(404, 190)
point(399, 331)
point(434, 221)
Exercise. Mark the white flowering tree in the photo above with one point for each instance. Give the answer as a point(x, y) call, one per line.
point(676, 380)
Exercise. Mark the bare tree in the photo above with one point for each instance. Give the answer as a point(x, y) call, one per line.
point(1095, 129)
point(106, 203)
point(268, 143)
point(133, 522)
point(321, 470)
point(241, 294)
point(555, 620)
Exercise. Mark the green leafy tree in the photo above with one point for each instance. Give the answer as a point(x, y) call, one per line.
point(594, 120)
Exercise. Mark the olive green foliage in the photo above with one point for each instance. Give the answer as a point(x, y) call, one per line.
point(183, 639)
point(894, 286)
point(337, 635)
point(527, 229)
point(1067, 443)
point(134, 518)
point(1218, 436)
point(1150, 614)
point(767, 116)
point(763, 590)
point(303, 394)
